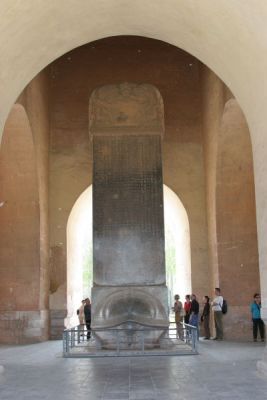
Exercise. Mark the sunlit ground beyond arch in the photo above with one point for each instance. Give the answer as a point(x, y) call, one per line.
point(80, 255)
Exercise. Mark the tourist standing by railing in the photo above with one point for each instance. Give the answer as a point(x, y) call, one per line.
point(80, 313)
point(178, 310)
point(258, 323)
point(194, 313)
point(87, 317)
point(187, 308)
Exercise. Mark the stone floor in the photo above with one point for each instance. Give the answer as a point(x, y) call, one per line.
point(222, 370)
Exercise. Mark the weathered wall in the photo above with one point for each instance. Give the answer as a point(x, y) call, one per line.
point(230, 196)
point(113, 60)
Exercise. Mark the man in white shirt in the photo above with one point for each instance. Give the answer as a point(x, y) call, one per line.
point(217, 304)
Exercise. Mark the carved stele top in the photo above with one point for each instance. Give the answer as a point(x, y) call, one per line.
point(126, 108)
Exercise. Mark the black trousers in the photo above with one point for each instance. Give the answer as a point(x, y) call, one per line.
point(258, 324)
point(88, 327)
point(186, 318)
point(206, 323)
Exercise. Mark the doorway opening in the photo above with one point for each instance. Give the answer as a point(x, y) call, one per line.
point(80, 250)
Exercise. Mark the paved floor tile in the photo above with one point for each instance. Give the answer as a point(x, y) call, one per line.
point(38, 371)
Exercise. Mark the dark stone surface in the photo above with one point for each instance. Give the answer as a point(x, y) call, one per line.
point(126, 124)
point(128, 226)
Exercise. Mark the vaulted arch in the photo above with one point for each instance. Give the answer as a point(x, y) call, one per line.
point(20, 267)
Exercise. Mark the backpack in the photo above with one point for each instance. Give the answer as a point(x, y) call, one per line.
point(224, 306)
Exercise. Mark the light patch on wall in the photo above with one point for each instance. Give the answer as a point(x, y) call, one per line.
point(177, 245)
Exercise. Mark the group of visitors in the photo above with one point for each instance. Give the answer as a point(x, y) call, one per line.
point(189, 314)
point(84, 315)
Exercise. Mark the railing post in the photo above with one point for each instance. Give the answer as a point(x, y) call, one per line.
point(65, 343)
point(72, 337)
point(117, 342)
point(143, 341)
point(194, 334)
point(136, 337)
point(79, 334)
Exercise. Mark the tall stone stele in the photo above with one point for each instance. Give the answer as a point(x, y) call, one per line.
point(129, 281)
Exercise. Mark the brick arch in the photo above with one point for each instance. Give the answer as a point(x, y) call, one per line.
point(203, 30)
point(236, 229)
point(19, 233)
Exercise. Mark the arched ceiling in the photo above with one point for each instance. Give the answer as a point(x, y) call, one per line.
point(228, 36)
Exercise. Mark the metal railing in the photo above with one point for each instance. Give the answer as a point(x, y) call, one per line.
point(133, 341)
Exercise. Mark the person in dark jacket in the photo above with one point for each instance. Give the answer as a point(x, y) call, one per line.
point(194, 311)
point(258, 323)
point(87, 317)
point(205, 317)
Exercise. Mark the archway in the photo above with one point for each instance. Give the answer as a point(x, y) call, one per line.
point(20, 267)
point(79, 254)
point(187, 25)
point(236, 230)
point(79, 250)
point(177, 245)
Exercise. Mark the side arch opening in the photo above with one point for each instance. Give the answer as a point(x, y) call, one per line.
point(80, 258)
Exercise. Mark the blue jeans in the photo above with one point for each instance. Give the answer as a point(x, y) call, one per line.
point(194, 321)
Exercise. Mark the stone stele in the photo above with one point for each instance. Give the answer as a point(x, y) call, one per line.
point(129, 285)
